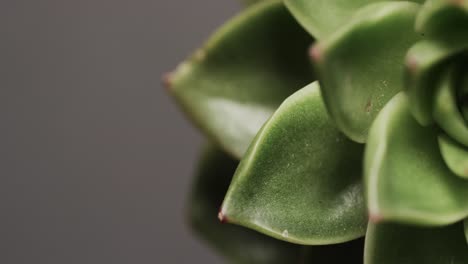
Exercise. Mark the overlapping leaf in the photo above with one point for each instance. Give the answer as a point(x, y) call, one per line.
point(300, 180)
point(237, 244)
point(240, 245)
point(323, 17)
point(444, 25)
point(455, 155)
point(236, 81)
point(398, 244)
point(406, 177)
point(360, 66)
point(446, 111)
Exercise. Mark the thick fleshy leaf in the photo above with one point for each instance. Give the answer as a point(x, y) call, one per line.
point(439, 18)
point(239, 245)
point(323, 17)
point(444, 23)
point(233, 84)
point(398, 244)
point(300, 180)
point(455, 156)
point(446, 111)
point(406, 177)
point(360, 66)
point(425, 62)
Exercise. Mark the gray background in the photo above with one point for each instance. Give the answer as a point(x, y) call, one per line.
point(96, 161)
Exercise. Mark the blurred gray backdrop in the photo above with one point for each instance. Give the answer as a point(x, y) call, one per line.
point(96, 160)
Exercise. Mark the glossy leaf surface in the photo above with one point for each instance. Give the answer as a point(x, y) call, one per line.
point(360, 66)
point(237, 244)
point(300, 180)
point(406, 177)
point(233, 84)
point(323, 17)
point(398, 244)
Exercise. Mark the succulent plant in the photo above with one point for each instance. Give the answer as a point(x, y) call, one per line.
point(338, 130)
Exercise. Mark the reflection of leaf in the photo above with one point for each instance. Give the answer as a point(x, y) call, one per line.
point(238, 244)
point(241, 245)
point(398, 244)
point(300, 180)
point(233, 84)
point(466, 230)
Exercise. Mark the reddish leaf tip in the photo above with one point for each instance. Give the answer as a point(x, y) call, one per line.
point(375, 218)
point(222, 217)
point(315, 52)
point(412, 64)
point(167, 80)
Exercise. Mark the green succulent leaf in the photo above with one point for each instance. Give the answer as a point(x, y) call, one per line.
point(241, 245)
point(237, 244)
point(398, 244)
point(446, 112)
point(425, 64)
point(439, 18)
point(300, 180)
point(323, 17)
point(406, 177)
point(455, 156)
point(233, 84)
point(444, 23)
point(360, 66)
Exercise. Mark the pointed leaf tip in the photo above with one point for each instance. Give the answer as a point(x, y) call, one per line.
point(232, 85)
point(315, 53)
point(375, 218)
point(222, 217)
point(166, 80)
point(300, 180)
point(412, 64)
point(236, 244)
